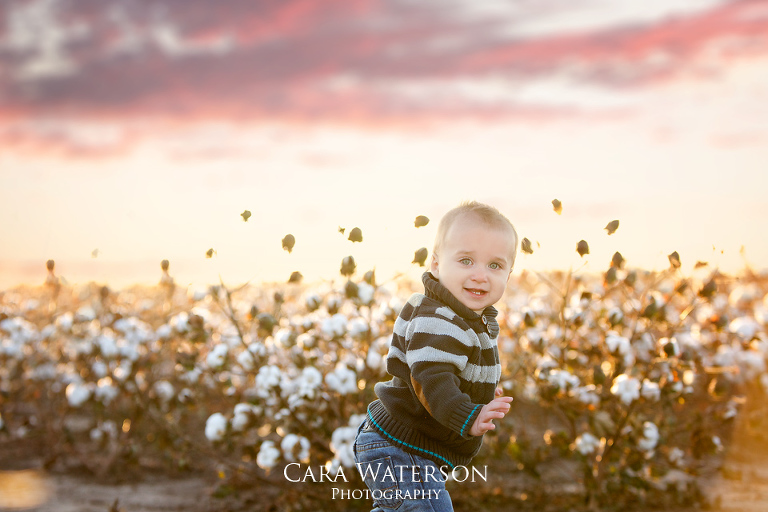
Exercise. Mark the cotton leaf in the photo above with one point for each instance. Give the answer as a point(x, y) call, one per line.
point(420, 221)
point(612, 226)
point(356, 235)
point(420, 256)
point(525, 246)
point(557, 206)
point(582, 248)
point(288, 242)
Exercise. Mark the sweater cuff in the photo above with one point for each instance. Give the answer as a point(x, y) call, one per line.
point(463, 417)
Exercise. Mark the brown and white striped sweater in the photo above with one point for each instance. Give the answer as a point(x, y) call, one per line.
point(444, 363)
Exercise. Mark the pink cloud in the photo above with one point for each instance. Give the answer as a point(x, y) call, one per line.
point(183, 60)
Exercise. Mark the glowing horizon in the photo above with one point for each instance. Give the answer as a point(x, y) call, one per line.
point(143, 133)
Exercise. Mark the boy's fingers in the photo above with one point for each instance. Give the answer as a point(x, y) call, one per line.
point(499, 392)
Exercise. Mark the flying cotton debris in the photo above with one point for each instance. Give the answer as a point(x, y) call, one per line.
point(421, 221)
point(245, 215)
point(209, 253)
point(612, 226)
point(674, 260)
point(288, 242)
point(356, 235)
point(348, 266)
point(582, 248)
point(557, 206)
point(525, 246)
point(420, 256)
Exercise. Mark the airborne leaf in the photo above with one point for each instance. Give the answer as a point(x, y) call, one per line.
point(674, 260)
point(209, 253)
point(582, 248)
point(245, 215)
point(618, 260)
point(557, 206)
point(288, 242)
point(420, 256)
point(612, 226)
point(420, 221)
point(342, 230)
point(296, 277)
point(356, 235)
point(348, 266)
point(525, 246)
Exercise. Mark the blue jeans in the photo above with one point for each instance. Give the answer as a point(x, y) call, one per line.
point(398, 480)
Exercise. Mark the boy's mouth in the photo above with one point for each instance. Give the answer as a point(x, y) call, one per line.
point(476, 292)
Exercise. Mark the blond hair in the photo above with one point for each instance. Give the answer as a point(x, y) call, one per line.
point(486, 213)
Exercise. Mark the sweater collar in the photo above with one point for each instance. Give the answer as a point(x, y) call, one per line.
point(435, 290)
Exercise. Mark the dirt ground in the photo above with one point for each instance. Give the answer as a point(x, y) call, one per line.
point(741, 485)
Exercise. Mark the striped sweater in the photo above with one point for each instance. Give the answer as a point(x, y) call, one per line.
point(444, 364)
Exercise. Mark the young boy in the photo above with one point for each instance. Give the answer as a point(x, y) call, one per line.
point(444, 362)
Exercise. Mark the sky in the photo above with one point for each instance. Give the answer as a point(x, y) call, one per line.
point(136, 131)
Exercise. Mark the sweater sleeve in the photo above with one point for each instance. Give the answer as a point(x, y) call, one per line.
point(436, 355)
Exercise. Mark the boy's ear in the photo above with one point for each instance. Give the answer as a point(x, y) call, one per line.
point(433, 265)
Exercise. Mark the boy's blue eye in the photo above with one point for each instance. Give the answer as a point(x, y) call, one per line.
point(494, 266)
point(465, 261)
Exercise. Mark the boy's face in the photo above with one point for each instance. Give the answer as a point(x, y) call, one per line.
point(474, 262)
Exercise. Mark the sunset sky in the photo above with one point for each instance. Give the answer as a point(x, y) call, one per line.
point(133, 131)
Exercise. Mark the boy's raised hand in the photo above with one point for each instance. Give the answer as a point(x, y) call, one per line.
point(494, 410)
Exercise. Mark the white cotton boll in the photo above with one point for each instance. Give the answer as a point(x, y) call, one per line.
point(677, 456)
point(335, 326)
point(562, 379)
point(180, 322)
point(164, 332)
point(268, 455)
point(626, 388)
point(313, 301)
point(107, 345)
point(342, 441)
point(586, 395)
point(357, 327)
point(197, 292)
point(650, 390)
point(365, 293)
point(284, 337)
point(295, 448)
point(586, 443)
point(618, 344)
point(744, 327)
point(77, 394)
point(217, 356)
point(48, 331)
point(164, 390)
point(650, 437)
point(215, 427)
point(192, 376)
point(97, 434)
point(246, 360)
point(123, 370)
point(751, 363)
point(342, 380)
point(105, 392)
point(731, 410)
point(64, 322)
point(242, 416)
point(269, 376)
point(85, 314)
point(99, 369)
point(374, 360)
point(355, 420)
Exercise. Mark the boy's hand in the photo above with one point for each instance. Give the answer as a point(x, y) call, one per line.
point(496, 409)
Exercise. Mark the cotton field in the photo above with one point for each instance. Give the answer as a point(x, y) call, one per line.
point(630, 380)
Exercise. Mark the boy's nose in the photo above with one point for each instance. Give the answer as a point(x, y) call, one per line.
point(479, 275)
